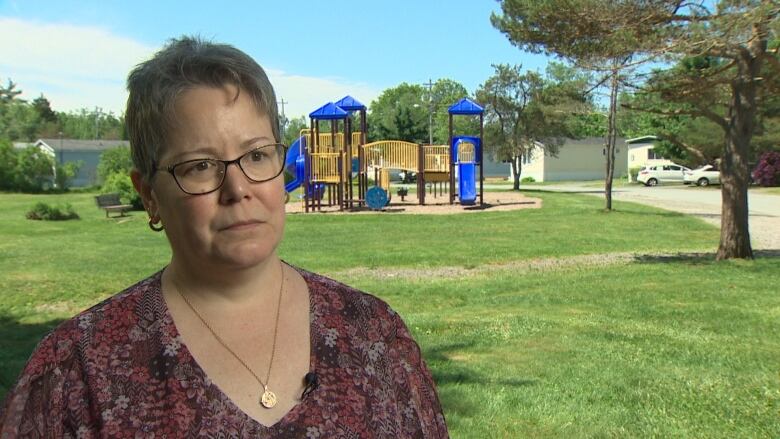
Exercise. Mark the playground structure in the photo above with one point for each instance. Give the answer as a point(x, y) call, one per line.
point(326, 164)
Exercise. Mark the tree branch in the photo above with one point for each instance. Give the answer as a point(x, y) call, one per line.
point(773, 62)
point(676, 140)
point(709, 114)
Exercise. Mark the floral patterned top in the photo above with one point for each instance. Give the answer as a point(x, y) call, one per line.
point(120, 369)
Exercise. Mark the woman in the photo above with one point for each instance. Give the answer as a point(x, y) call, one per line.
point(227, 340)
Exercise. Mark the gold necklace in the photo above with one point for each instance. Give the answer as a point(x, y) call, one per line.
point(268, 399)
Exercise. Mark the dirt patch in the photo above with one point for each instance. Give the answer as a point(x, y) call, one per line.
point(493, 202)
point(450, 272)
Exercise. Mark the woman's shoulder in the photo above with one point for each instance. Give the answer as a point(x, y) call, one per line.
point(69, 355)
point(108, 320)
point(331, 297)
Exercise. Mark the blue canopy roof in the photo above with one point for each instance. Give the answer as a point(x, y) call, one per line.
point(466, 106)
point(349, 103)
point(329, 111)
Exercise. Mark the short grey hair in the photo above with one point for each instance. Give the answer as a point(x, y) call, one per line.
point(183, 64)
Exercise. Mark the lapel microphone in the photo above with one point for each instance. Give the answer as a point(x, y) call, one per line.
point(311, 381)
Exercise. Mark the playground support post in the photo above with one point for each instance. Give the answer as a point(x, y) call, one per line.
point(361, 158)
point(307, 166)
point(452, 163)
point(421, 175)
point(348, 160)
point(481, 155)
point(334, 124)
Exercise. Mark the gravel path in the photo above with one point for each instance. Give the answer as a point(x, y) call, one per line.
point(578, 262)
point(494, 202)
point(704, 203)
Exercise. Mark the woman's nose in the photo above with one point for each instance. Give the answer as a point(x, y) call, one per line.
point(236, 184)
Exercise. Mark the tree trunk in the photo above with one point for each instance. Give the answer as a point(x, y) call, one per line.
point(517, 168)
point(611, 137)
point(734, 227)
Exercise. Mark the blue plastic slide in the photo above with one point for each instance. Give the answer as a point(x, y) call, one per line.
point(295, 164)
point(467, 185)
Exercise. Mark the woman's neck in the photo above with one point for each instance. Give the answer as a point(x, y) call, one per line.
point(220, 286)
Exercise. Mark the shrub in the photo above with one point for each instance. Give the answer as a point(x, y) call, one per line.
point(634, 172)
point(528, 180)
point(114, 161)
point(7, 164)
point(767, 172)
point(65, 173)
point(42, 211)
point(34, 170)
point(121, 183)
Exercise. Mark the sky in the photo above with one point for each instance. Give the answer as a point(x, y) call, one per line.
point(78, 53)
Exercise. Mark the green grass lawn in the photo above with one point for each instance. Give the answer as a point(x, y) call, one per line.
point(528, 324)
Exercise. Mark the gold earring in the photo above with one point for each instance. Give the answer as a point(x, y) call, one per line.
point(153, 225)
point(286, 197)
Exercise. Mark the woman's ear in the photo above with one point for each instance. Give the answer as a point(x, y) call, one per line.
point(144, 189)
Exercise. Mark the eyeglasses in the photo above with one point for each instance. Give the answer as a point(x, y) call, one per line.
point(203, 176)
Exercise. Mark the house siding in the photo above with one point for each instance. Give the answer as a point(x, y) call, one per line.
point(495, 169)
point(533, 165)
point(576, 160)
point(85, 151)
point(87, 175)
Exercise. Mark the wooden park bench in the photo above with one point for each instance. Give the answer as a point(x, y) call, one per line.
point(111, 203)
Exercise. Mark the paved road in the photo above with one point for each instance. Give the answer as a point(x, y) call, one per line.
point(701, 202)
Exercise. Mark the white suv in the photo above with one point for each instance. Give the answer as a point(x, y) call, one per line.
point(652, 175)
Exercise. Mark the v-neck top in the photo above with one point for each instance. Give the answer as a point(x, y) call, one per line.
point(120, 369)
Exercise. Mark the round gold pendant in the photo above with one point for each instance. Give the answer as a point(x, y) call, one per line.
point(268, 400)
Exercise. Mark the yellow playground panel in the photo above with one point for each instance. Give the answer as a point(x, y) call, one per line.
point(466, 152)
point(383, 179)
point(327, 142)
point(405, 156)
point(325, 167)
point(331, 165)
point(437, 158)
point(385, 155)
point(392, 154)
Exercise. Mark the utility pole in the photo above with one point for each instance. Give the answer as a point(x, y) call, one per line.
point(98, 111)
point(284, 118)
point(429, 84)
point(60, 133)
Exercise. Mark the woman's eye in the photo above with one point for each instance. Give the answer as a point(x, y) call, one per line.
point(258, 156)
point(202, 166)
point(198, 167)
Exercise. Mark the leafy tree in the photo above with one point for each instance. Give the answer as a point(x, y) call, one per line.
point(293, 129)
point(8, 163)
point(732, 39)
point(408, 111)
point(115, 161)
point(114, 170)
point(444, 93)
point(18, 121)
point(34, 170)
point(91, 124)
point(697, 140)
point(526, 110)
point(122, 184)
point(65, 172)
point(8, 93)
point(587, 125)
point(43, 107)
point(398, 113)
